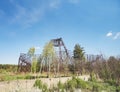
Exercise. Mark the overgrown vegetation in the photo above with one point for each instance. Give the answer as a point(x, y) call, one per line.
point(40, 85)
point(8, 68)
point(104, 73)
point(75, 84)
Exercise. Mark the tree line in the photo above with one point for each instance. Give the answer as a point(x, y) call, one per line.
point(8, 67)
point(48, 61)
point(78, 64)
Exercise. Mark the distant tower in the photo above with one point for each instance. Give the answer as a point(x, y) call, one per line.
point(59, 43)
point(24, 63)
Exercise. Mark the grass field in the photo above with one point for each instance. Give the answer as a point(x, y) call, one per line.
point(24, 82)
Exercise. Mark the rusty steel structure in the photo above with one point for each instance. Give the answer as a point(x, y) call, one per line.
point(63, 55)
point(24, 63)
point(60, 44)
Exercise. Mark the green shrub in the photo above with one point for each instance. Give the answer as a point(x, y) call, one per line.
point(60, 85)
point(20, 77)
point(81, 84)
point(98, 87)
point(71, 84)
point(92, 77)
point(95, 88)
point(111, 82)
point(75, 83)
point(40, 85)
point(44, 88)
point(29, 77)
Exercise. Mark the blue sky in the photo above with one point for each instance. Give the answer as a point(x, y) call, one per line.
point(94, 24)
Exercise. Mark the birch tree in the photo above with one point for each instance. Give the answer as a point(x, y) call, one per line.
point(48, 55)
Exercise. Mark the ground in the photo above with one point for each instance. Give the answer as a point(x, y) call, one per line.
point(27, 85)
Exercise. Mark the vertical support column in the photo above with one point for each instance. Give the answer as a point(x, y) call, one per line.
point(18, 68)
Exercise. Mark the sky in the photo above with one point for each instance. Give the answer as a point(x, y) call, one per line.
point(94, 24)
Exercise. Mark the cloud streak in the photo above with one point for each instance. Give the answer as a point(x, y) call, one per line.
point(113, 36)
point(27, 15)
point(109, 34)
point(117, 36)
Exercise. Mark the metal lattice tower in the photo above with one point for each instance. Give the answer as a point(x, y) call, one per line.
point(24, 63)
point(59, 43)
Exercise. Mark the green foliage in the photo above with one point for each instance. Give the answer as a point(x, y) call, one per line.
point(81, 84)
point(95, 88)
point(48, 55)
point(109, 69)
point(92, 77)
point(118, 88)
point(79, 57)
point(31, 51)
point(76, 83)
point(39, 61)
point(48, 50)
point(111, 82)
point(78, 52)
point(60, 85)
point(100, 86)
point(40, 85)
point(34, 65)
point(9, 77)
point(44, 88)
point(5, 68)
point(29, 77)
point(71, 84)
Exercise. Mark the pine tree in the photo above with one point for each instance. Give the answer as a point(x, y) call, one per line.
point(79, 52)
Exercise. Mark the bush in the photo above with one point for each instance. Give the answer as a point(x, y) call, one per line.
point(81, 84)
point(60, 85)
point(44, 88)
point(76, 83)
point(20, 77)
point(40, 85)
point(95, 88)
point(92, 77)
point(30, 77)
point(111, 82)
point(71, 84)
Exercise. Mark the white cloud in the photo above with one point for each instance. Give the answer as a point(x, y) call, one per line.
point(109, 34)
point(113, 36)
point(117, 36)
point(26, 16)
